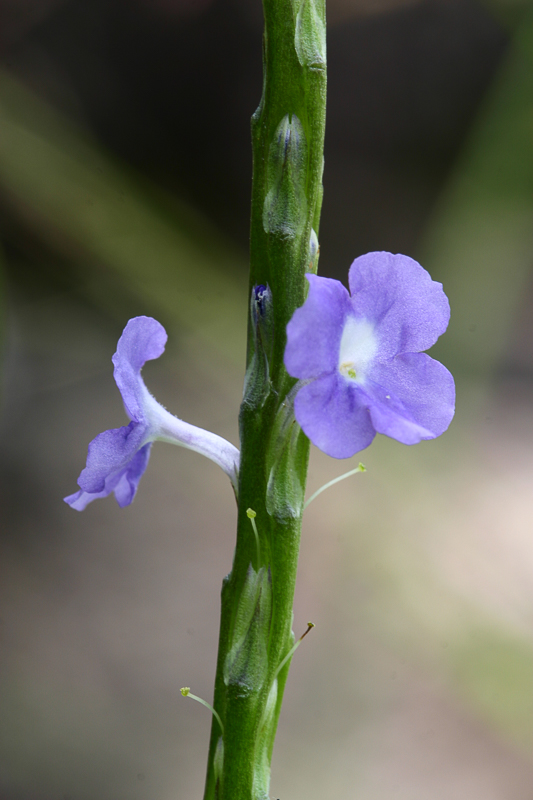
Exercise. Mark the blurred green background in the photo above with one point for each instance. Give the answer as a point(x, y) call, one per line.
point(125, 172)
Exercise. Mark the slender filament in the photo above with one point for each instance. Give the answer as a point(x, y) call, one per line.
point(360, 468)
point(251, 514)
point(293, 649)
point(186, 692)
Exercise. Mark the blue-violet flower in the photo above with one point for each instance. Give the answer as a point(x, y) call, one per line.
point(358, 357)
point(118, 458)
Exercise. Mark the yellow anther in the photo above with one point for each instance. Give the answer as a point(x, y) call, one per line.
point(347, 368)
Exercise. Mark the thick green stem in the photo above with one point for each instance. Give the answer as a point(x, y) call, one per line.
point(257, 596)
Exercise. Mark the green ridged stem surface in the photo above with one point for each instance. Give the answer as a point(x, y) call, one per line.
point(257, 596)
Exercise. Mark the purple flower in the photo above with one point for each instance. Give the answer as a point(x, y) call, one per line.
point(359, 357)
point(118, 458)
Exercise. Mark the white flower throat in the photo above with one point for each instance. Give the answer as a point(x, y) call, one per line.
point(359, 345)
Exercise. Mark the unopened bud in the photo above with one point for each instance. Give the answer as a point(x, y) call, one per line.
point(246, 663)
point(314, 252)
point(285, 204)
point(263, 318)
point(310, 34)
point(257, 378)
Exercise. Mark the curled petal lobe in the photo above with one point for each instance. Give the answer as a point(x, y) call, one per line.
point(409, 309)
point(142, 340)
point(109, 453)
point(123, 483)
point(315, 330)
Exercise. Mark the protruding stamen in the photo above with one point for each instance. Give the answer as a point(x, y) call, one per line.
point(360, 468)
point(310, 625)
point(186, 692)
point(291, 652)
point(348, 370)
point(251, 514)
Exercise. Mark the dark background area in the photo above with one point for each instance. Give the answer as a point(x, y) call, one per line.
point(170, 87)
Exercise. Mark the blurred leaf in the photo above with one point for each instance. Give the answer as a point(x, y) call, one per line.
point(509, 12)
point(2, 323)
point(78, 199)
point(480, 242)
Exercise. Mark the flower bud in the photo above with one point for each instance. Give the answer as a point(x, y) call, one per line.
point(263, 318)
point(257, 378)
point(310, 34)
point(284, 210)
point(246, 663)
point(314, 252)
point(285, 491)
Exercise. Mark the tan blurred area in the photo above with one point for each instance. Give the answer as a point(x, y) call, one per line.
point(417, 681)
point(418, 575)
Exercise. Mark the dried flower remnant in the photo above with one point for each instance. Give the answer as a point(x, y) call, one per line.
point(359, 357)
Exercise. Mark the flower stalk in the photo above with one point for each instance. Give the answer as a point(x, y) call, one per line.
point(323, 365)
point(256, 636)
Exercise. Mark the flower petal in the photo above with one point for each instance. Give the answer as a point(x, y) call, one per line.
point(80, 500)
point(142, 340)
point(126, 487)
point(315, 330)
point(124, 483)
point(109, 453)
point(418, 401)
point(330, 413)
point(409, 309)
